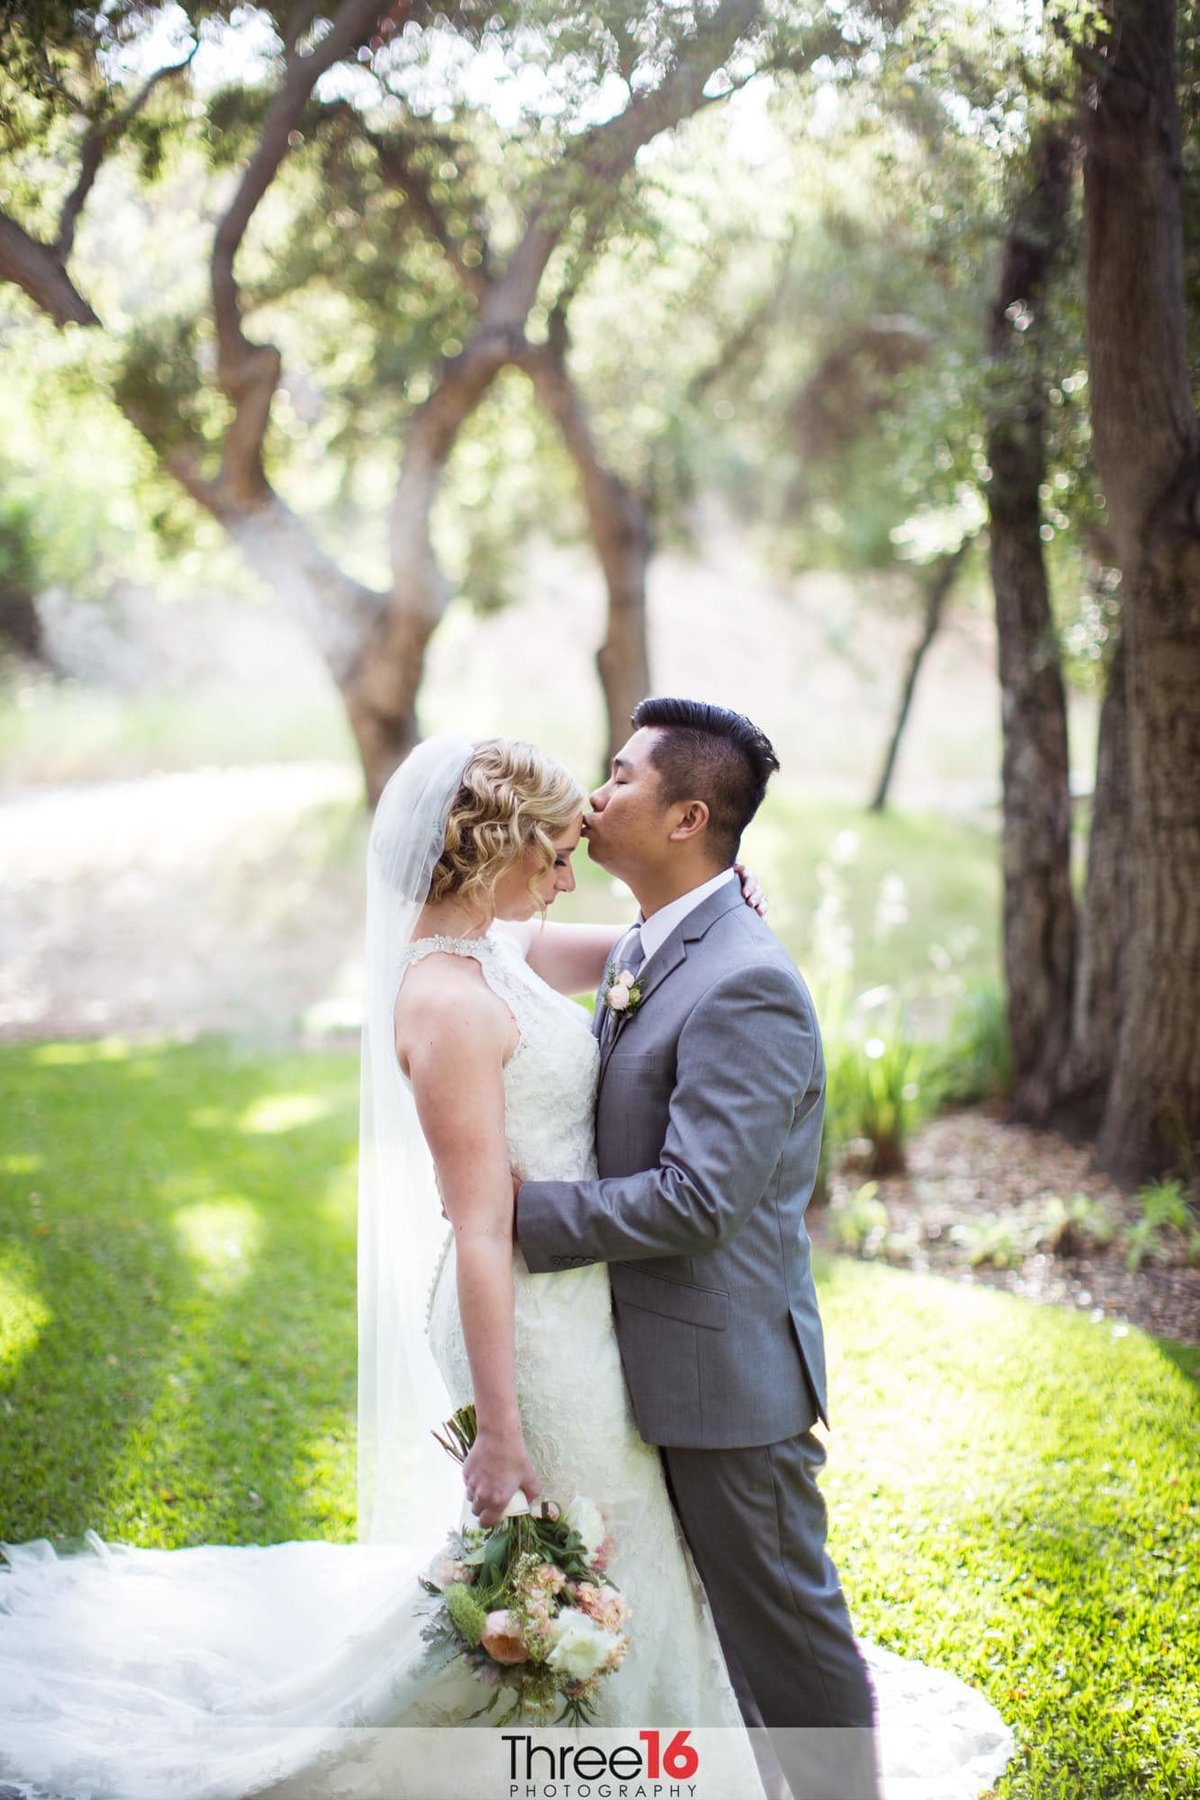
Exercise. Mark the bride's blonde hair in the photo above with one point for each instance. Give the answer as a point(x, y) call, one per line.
point(513, 798)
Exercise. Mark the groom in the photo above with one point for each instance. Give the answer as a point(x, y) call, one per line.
point(708, 1131)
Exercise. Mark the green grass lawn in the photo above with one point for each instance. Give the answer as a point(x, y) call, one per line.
point(1014, 1492)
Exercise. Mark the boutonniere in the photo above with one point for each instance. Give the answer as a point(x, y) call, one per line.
point(623, 994)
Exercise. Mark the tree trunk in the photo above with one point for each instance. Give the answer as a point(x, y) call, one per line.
point(1039, 910)
point(1104, 926)
point(347, 622)
point(939, 580)
point(1147, 449)
point(20, 626)
point(620, 532)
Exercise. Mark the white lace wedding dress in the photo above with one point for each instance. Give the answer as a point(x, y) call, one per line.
point(223, 1671)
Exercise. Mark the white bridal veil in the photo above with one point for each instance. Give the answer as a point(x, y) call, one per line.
point(408, 1488)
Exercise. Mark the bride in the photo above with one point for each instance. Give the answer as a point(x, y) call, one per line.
point(223, 1671)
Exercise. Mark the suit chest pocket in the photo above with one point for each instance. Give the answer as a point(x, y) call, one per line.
point(651, 1070)
point(632, 1112)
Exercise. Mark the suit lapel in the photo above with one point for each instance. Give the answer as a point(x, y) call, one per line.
point(666, 960)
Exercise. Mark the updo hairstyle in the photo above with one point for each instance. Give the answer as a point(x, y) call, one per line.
point(513, 798)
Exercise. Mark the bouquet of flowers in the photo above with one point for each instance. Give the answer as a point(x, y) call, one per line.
point(527, 1603)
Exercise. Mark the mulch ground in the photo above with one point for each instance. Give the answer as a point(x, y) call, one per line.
point(969, 1174)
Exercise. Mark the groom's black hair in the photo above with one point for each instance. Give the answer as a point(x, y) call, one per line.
point(708, 753)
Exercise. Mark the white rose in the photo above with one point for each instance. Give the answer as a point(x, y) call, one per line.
point(580, 1647)
point(623, 978)
point(618, 998)
point(583, 1516)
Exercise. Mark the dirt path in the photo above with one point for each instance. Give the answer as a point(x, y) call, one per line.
point(218, 899)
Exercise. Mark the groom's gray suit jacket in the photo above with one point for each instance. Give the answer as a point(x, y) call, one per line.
point(708, 1131)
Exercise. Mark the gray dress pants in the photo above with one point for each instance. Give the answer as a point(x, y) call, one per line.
point(755, 1522)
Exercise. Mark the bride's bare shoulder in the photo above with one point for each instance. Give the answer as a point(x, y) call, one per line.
point(446, 1008)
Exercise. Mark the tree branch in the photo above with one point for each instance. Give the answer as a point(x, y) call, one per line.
point(731, 352)
point(39, 269)
point(36, 269)
point(599, 160)
point(607, 151)
point(618, 524)
point(248, 373)
point(96, 143)
point(398, 167)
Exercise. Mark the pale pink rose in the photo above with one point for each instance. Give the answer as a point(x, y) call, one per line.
point(618, 998)
point(502, 1640)
point(604, 1605)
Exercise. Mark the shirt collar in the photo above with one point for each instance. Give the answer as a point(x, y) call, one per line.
point(658, 927)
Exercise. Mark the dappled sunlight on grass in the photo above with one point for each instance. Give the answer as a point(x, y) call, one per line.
point(211, 1118)
point(221, 1236)
point(21, 1164)
point(1015, 1494)
point(325, 1472)
point(63, 1056)
point(203, 1289)
point(24, 1313)
point(283, 1112)
point(339, 1199)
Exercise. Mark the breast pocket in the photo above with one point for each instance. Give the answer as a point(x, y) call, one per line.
point(654, 1067)
point(633, 1110)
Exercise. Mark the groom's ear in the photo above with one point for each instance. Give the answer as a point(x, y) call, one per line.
point(692, 820)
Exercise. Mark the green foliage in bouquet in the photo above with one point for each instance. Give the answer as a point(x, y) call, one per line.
point(524, 1603)
point(467, 1615)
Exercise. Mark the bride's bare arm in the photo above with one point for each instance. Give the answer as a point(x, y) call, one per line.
point(573, 958)
point(452, 1036)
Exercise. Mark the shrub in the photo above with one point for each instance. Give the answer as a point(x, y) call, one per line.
point(1068, 1227)
point(875, 1095)
point(858, 1221)
point(975, 1064)
point(1167, 1230)
point(1000, 1239)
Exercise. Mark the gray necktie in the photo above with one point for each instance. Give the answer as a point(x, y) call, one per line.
point(631, 956)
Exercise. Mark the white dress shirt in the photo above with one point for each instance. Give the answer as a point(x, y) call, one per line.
point(659, 926)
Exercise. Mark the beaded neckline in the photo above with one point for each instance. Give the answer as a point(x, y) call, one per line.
point(442, 941)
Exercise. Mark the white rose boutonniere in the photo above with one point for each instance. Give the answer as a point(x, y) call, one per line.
point(623, 992)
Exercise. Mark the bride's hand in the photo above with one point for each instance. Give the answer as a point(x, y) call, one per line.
point(497, 1465)
point(752, 892)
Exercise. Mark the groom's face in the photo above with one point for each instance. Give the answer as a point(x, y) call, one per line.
point(628, 827)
